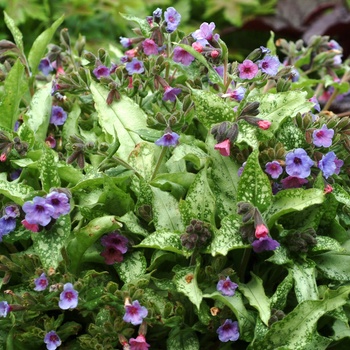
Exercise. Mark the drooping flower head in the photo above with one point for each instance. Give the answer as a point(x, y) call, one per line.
point(269, 65)
point(150, 47)
point(323, 137)
point(261, 231)
point(236, 94)
point(68, 298)
point(30, 227)
point(172, 18)
point(247, 69)
point(138, 343)
point(330, 164)
point(52, 340)
point(182, 56)
point(274, 169)
point(60, 203)
point(135, 66)
point(101, 71)
point(264, 244)
point(41, 283)
point(314, 100)
point(168, 139)
point(171, 93)
point(4, 308)
point(135, 313)
point(38, 211)
point(223, 147)
point(58, 115)
point(298, 163)
point(229, 331)
point(45, 66)
point(118, 241)
point(293, 182)
point(227, 287)
point(126, 42)
point(264, 124)
point(204, 33)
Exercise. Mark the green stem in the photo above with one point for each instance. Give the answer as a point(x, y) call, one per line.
point(161, 156)
point(244, 263)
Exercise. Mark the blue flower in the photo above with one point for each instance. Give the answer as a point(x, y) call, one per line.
point(269, 65)
point(172, 18)
point(41, 283)
point(45, 66)
point(264, 244)
point(60, 203)
point(5, 308)
point(330, 164)
point(168, 139)
point(135, 66)
point(68, 298)
point(58, 115)
point(227, 287)
point(52, 340)
point(298, 163)
point(229, 331)
point(171, 93)
point(38, 212)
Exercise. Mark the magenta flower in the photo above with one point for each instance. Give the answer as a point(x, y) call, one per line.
point(150, 47)
point(168, 139)
point(68, 298)
point(204, 33)
point(274, 169)
point(330, 164)
point(224, 147)
point(264, 124)
point(60, 203)
point(227, 287)
point(41, 283)
point(30, 227)
point(45, 66)
point(293, 182)
point(247, 69)
point(182, 56)
point(264, 244)
point(135, 66)
point(269, 65)
point(323, 137)
point(58, 115)
point(172, 19)
point(101, 71)
point(298, 163)
point(38, 212)
point(112, 255)
point(5, 308)
point(261, 231)
point(229, 331)
point(135, 313)
point(52, 340)
point(171, 93)
point(139, 343)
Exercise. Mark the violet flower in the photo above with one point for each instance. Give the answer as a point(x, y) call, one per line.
point(58, 115)
point(126, 42)
point(264, 244)
point(60, 203)
point(117, 241)
point(7, 225)
point(330, 164)
point(101, 71)
point(171, 93)
point(229, 331)
point(150, 47)
point(269, 65)
point(135, 67)
point(293, 182)
point(68, 298)
point(168, 139)
point(41, 283)
point(247, 69)
point(45, 66)
point(38, 211)
point(182, 56)
point(112, 255)
point(298, 163)
point(323, 137)
point(236, 94)
point(138, 343)
point(274, 169)
point(226, 287)
point(52, 340)
point(135, 313)
point(172, 19)
point(314, 100)
point(5, 308)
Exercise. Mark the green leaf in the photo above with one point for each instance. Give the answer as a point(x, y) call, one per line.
point(39, 47)
point(16, 33)
point(70, 126)
point(118, 119)
point(143, 24)
point(14, 87)
point(255, 293)
point(279, 298)
point(39, 114)
point(131, 221)
point(227, 237)
point(247, 135)
point(182, 339)
point(327, 243)
point(132, 267)
point(48, 170)
point(185, 280)
point(166, 213)
point(305, 286)
point(295, 199)
point(341, 195)
point(254, 186)
point(17, 192)
point(48, 244)
point(298, 328)
point(290, 135)
point(333, 265)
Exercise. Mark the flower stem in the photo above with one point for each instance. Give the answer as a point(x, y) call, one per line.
point(244, 263)
point(161, 156)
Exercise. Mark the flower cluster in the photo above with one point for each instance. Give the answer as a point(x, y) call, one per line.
point(197, 235)
point(115, 245)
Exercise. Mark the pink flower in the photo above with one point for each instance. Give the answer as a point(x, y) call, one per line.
point(197, 46)
point(223, 147)
point(264, 124)
point(139, 343)
point(247, 69)
point(261, 231)
point(149, 47)
point(30, 227)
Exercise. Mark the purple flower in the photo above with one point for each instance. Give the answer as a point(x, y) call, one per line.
point(139, 343)
point(228, 331)
point(274, 169)
point(5, 308)
point(51, 141)
point(171, 93)
point(264, 244)
point(38, 212)
point(117, 241)
point(298, 163)
point(52, 340)
point(269, 65)
point(227, 287)
point(58, 115)
point(126, 42)
point(236, 94)
point(68, 298)
point(220, 70)
point(182, 56)
point(7, 225)
point(12, 211)
point(314, 100)
point(172, 18)
point(112, 255)
point(135, 313)
point(323, 137)
point(150, 47)
point(293, 182)
point(330, 164)
point(101, 71)
point(204, 33)
point(135, 66)
point(60, 203)
point(247, 69)
point(41, 283)
point(334, 45)
point(168, 139)
point(45, 66)
point(157, 13)
point(240, 170)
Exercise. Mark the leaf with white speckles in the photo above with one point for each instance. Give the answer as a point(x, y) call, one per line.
point(48, 171)
point(182, 339)
point(254, 186)
point(279, 298)
point(15, 191)
point(133, 266)
point(333, 265)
